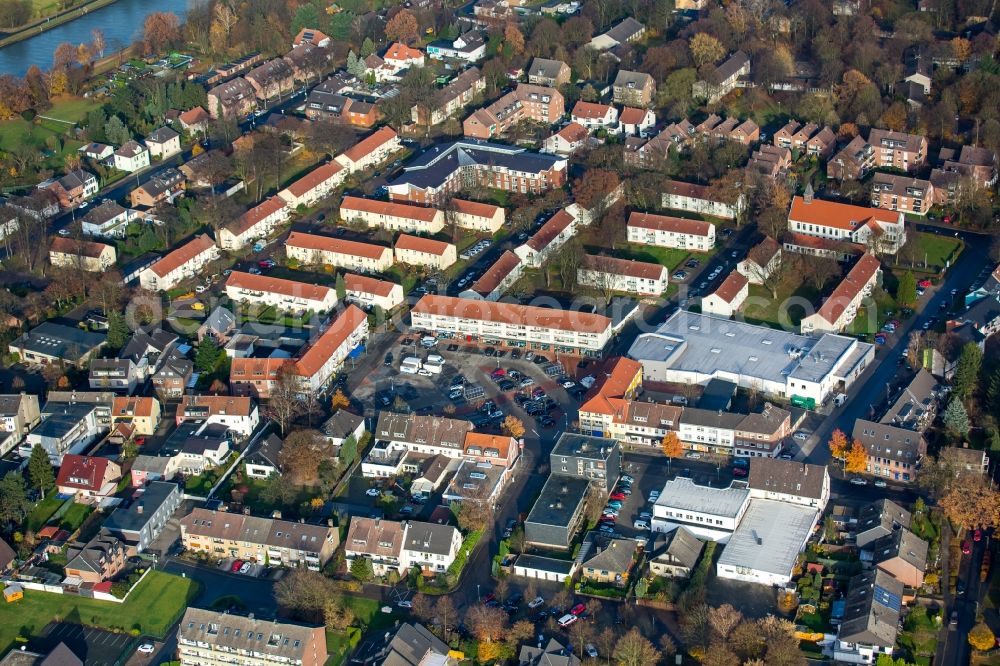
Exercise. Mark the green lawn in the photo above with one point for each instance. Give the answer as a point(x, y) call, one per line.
point(74, 517)
point(940, 249)
point(864, 324)
point(366, 611)
point(760, 308)
point(43, 511)
point(72, 109)
point(664, 256)
point(152, 607)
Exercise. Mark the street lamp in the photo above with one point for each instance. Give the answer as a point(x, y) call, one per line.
point(477, 593)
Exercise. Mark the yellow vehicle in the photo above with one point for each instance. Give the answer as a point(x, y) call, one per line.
point(186, 296)
point(197, 305)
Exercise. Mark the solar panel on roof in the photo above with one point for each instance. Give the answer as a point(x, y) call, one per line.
point(888, 599)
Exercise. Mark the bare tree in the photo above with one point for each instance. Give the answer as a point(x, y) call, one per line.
point(284, 403)
point(603, 274)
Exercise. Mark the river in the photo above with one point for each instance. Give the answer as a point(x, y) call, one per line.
point(121, 23)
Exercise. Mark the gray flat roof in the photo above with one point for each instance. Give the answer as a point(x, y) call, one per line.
point(707, 344)
point(782, 529)
point(683, 493)
point(549, 564)
point(558, 500)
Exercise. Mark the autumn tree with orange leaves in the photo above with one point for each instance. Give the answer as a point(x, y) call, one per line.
point(671, 446)
point(402, 27)
point(838, 444)
point(856, 458)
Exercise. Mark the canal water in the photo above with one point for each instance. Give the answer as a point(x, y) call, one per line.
point(120, 21)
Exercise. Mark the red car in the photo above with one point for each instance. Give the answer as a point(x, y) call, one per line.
point(924, 284)
point(977, 535)
point(237, 565)
point(966, 548)
point(618, 496)
point(739, 471)
point(499, 372)
point(140, 441)
point(576, 610)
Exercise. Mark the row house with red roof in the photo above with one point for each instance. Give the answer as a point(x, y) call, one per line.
point(312, 250)
point(877, 230)
point(256, 223)
point(612, 274)
point(314, 186)
point(669, 231)
point(841, 307)
point(285, 295)
point(370, 151)
point(392, 215)
point(183, 263)
point(368, 291)
point(417, 251)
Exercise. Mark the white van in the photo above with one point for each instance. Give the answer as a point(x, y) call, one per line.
point(435, 359)
point(640, 525)
point(410, 365)
point(428, 341)
point(567, 620)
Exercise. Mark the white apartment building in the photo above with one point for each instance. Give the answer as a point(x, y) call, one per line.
point(312, 250)
point(535, 328)
point(368, 291)
point(183, 263)
point(391, 215)
point(699, 199)
point(594, 116)
point(392, 545)
point(552, 235)
point(612, 274)
point(132, 156)
point(326, 355)
point(371, 150)
point(256, 223)
point(314, 186)
point(878, 230)
point(476, 216)
point(841, 307)
point(668, 231)
point(213, 638)
point(728, 298)
point(240, 415)
point(286, 295)
point(709, 513)
point(418, 251)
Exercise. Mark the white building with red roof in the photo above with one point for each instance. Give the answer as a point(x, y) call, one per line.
point(417, 251)
point(550, 237)
point(315, 185)
point(728, 297)
point(311, 36)
point(534, 328)
point(475, 215)
point(285, 295)
point(370, 151)
point(701, 199)
point(668, 231)
point(841, 307)
point(595, 116)
point(878, 230)
point(88, 479)
point(397, 59)
point(368, 291)
point(392, 215)
point(625, 275)
point(326, 355)
point(497, 279)
point(636, 121)
point(256, 223)
point(567, 140)
point(183, 263)
point(312, 250)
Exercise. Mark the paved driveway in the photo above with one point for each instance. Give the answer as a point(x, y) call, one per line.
point(256, 594)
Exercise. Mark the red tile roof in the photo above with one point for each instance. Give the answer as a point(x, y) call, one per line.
point(818, 243)
point(731, 286)
point(629, 267)
point(391, 208)
point(248, 369)
point(496, 273)
point(501, 443)
point(424, 245)
point(837, 215)
point(606, 396)
point(247, 220)
point(194, 116)
point(849, 287)
point(337, 245)
point(132, 406)
point(182, 255)
point(554, 226)
point(474, 208)
point(590, 110)
point(573, 132)
point(632, 116)
point(241, 280)
point(399, 51)
point(323, 348)
point(314, 178)
point(367, 285)
point(217, 404)
point(511, 313)
point(370, 144)
point(72, 246)
point(678, 225)
point(82, 472)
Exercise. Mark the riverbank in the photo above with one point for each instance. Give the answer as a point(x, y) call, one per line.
point(41, 25)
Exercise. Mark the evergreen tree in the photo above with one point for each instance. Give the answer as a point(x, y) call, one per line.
point(116, 132)
point(352, 61)
point(207, 356)
point(367, 47)
point(305, 17)
point(994, 440)
point(341, 287)
point(967, 371)
point(993, 392)
point(362, 570)
point(117, 331)
point(906, 293)
point(13, 499)
point(40, 471)
point(955, 418)
point(348, 451)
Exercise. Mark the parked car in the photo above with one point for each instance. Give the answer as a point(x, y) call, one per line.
point(145, 648)
point(576, 610)
point(590, 650)
point(237, 565)
point(858, 481)
point(536, 602)
point(966, 547)
point(245, 569)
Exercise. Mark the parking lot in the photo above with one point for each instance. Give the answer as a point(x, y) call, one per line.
point(471, 384)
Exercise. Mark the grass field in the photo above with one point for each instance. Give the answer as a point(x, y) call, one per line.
point(760, 308)
point(366, 612)
point(18, 131)
point(151, 607)
point(71, 109)
point(940, 249)
point(43, 511)
point(74, 517)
